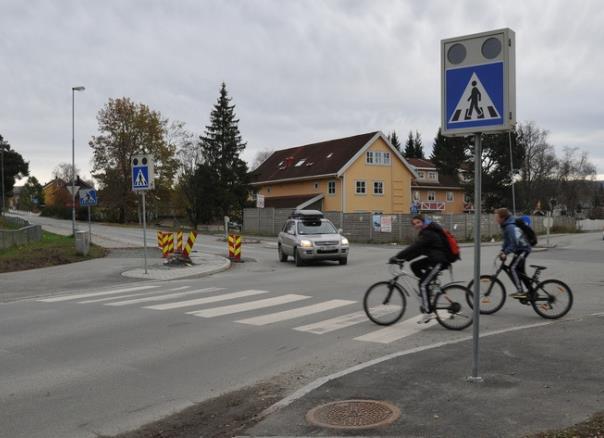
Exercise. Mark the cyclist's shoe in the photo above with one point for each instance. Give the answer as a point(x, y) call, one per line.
point(424, 309)
point(519, 295)
point(426, 318)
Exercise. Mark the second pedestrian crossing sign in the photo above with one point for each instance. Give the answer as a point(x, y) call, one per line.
point(142, 172)
point(478, 83)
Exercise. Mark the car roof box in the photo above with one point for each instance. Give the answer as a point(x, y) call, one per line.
point(306, 214)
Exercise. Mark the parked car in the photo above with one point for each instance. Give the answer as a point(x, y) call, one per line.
point(308, 236)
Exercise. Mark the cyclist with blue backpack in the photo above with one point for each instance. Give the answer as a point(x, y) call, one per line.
point(516, 242)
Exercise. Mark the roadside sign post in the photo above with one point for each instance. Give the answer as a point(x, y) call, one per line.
point(88, 199)
point(548, 222)
point(478, 95)
point(142, 180)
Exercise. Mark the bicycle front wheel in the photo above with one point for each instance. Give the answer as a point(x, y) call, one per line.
point(492, 294)
point(452, 309)
point(552, 299)
point(384, 303)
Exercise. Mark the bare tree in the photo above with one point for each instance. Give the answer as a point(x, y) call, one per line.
point(261, 157)
point(575, 177)
point(63, 172)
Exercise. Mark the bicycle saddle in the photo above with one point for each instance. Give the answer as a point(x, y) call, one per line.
point(541, 268)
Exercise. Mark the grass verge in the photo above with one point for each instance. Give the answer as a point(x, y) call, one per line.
point(52, 250)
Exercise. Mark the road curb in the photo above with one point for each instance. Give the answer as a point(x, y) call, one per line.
point(177, 273)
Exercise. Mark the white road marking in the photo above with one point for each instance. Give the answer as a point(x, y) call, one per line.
point(100, 300)
point(199, 301)
point(340, 322)
point(236, 308)
point(296, 313)
point(397, 331)
point(95, 294)
point(164, 297)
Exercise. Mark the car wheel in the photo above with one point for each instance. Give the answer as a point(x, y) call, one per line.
point(297, 258)
point(282, 255)
point(343, 261)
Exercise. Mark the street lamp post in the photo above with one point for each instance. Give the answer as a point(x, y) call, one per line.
point(2, 165)
point(73, 215)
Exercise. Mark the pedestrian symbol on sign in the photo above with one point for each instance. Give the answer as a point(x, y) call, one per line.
point(140, 181)
point(474, 104)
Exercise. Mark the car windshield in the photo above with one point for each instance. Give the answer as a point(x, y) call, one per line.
point(316, 227)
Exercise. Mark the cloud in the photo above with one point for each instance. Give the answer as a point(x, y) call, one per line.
point(298, 71)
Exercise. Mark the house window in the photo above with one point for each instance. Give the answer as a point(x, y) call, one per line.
point(301, 162)
point(361, 188)
point(431, 196)
point(416, 195)
point(431, 175)
point(378, 187)
point(379, 158)
point(268, 190)
point(369, 157)
point(329, 155)
point(331, 187)
point(387, 158)
point(316, 186)
point(449, 196)
point(420, 173)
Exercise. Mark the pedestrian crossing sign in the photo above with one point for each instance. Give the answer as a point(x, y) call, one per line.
point(478, 83)
point(142, 172)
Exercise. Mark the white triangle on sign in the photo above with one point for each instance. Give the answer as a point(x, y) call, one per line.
point(73, 189)
point(140, 180)
point(474, 104)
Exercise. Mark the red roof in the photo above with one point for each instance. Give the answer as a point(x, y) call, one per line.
point(307, 161)
point(420, 162)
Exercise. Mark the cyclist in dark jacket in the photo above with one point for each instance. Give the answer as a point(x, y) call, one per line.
point(514, 242)
point(431, 244)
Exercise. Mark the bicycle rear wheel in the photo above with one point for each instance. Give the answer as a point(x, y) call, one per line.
point(384, 303)
point(452, 309)
point(492, 294)
point(552, 299)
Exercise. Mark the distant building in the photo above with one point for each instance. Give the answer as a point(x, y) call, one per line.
point(363, 173)
point(56, 193)
point(435, 193)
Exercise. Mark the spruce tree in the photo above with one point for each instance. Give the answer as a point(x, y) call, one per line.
point(448, 153)
point(221, 147)
point(418, 148)
point(409, 151)
point(393, 138)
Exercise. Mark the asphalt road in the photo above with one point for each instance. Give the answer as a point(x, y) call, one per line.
point(80, 365)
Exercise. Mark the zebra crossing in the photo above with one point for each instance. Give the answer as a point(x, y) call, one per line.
point(214, 302)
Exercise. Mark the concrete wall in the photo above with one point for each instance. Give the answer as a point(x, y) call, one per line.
point(26, 234)
point(358, 227)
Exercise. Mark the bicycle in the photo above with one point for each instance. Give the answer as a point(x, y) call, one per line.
point(544, 296)
point(385, 301)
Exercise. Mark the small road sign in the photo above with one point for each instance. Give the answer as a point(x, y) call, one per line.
point(87, 198)
point(142, 172)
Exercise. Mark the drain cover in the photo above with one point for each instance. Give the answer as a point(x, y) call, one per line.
point(353, 414)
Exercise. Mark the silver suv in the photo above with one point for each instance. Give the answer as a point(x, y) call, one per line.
point(307, 236)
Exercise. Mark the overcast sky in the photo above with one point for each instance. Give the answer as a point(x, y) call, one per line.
point(298, 71)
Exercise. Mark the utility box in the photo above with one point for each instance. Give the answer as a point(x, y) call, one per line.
point(82, 242)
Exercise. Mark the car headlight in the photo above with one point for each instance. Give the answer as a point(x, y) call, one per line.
point(344, 241)
point(306, 244)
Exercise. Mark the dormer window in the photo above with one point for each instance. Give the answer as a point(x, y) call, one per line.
point(300, 163)
point(431, 175)
point(420, 174)
point(281, 165)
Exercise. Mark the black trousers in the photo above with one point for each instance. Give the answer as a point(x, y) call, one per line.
point(517, 266)
point(426, 270)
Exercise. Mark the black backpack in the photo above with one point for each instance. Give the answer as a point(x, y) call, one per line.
point(528, 232)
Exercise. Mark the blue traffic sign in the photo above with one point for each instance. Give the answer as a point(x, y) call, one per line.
point(87, 198)
point(474, 96)
point(140, 178)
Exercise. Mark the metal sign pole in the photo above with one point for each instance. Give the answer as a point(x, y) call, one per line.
point(145, 231)
point(89, 225)
point(477, 209)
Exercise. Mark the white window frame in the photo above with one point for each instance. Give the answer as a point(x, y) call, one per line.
point(450, 196)
point(360, 183)
point(381, 185)
point(431, 175)
point(369, 157)
point(331, 188)
point(386, 158)
point(431, 196)
point(420, 174)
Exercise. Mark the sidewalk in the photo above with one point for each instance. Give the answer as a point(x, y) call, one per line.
point(203, 264)
point(536, 378)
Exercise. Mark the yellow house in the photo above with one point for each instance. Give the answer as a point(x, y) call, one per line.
point(363, 173)
point(434, 193)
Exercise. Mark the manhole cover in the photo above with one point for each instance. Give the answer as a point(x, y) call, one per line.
point(353, 414)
